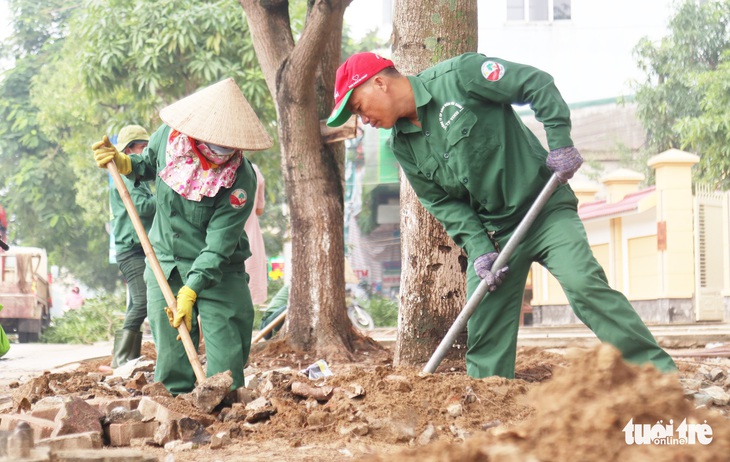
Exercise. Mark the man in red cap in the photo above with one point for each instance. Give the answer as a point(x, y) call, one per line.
point(478, 169)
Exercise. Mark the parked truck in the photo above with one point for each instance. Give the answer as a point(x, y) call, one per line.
point(25, 292)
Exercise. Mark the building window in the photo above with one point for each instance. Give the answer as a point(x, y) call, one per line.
point(538, 10)
point(561, 10)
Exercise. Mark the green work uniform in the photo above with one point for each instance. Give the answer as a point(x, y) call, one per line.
point(201, 245)
point(476, 167)
point(277, 305)
point(129, 253)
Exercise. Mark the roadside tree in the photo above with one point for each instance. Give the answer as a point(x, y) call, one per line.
point(433, 279)
point(300, 75)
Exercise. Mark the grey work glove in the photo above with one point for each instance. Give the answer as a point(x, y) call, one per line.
point(564, 162)
point(483, 267)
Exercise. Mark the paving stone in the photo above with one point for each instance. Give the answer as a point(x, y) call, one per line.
point(121, 434)
point(77, 416)
point(179, 446)
point(42, 428)
point(47, 408)
point(88, 440)
point(209, 394)
point(152, 410)
point(119, 415)
point(245, 395)
point(106, 405)
point(138, 382)
point(166, 432)
point(220, 440)
point(259, 409)
point(20, 442)
point(192, 430)
point(104, 455)
point(236, 413)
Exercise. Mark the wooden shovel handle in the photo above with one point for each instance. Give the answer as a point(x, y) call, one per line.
point(269, 327)
point(157, 269)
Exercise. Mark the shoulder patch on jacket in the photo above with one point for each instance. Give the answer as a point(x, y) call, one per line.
point(492, 70)
point(238, 198)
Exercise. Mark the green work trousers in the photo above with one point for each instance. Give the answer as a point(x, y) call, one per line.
point(226, 314)
point(558, 241)
point(132, 266)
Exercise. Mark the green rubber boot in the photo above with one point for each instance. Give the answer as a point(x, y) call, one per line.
point(127, 346)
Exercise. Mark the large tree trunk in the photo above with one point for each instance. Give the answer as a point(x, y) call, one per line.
point(301, 79)
point(433, 282)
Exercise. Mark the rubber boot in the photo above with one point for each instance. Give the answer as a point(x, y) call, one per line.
point(127, 346)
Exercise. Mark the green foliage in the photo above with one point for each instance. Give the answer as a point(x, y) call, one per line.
point(370, 42)
point(682, 101)
point(709, 132)
point(95, 321)
point(384, 311)
point(88, 69)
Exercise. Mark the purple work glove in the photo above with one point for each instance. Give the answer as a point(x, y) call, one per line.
point(564, 162)
point(483, 267)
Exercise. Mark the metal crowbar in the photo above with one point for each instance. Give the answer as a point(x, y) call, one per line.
point(471, 305)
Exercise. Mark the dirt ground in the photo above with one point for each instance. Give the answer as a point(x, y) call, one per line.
point(564, 405)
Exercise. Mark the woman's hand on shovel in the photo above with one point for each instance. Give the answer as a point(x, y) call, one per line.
point(185, 300)
point(105, 152)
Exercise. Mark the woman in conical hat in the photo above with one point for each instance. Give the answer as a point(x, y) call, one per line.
point(205, 192)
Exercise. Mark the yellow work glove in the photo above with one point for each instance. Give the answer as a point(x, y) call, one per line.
point(185, 301)
point(105, 152)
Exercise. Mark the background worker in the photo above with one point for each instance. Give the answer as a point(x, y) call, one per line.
point(74, 300)
point(205, 191)
point(130, 256)
point(256, 263)
point(477, 169)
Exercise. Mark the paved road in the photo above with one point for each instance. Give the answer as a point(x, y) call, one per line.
point(27, 360)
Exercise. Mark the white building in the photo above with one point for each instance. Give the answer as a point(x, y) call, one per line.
point(585, 44)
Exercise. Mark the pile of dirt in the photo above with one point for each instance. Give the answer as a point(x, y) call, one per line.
point(581, 415)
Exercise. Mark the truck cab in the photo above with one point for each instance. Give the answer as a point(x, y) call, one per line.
point(25, 292)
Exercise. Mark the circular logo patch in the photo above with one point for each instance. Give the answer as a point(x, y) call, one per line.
point(238, 198)
point(492, 71)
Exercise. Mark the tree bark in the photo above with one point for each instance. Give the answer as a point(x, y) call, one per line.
point(433, 279)
point(301, 80)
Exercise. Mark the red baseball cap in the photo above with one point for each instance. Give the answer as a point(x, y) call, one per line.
point(351, 74)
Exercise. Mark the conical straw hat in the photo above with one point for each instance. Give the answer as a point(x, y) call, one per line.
point(218, 114)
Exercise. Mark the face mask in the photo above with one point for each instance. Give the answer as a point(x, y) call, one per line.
point(217, 154)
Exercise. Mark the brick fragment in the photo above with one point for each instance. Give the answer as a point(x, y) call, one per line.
point(77, 416)
point(88, 440)
point(166, 432)
point(209, 394)
point(42, 428)
point(152, 410)
point(220, 440)
point(104, 455)
point(121, 434)
point(105, 405)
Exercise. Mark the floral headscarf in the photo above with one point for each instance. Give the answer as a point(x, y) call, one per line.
point(190, 172)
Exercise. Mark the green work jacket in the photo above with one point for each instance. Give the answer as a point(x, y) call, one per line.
point(125, 237)
point(201, 239)
point(473, 164)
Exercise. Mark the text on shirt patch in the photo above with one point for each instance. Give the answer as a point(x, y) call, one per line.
point(454, 106)
point(492, 71)
point(238, 198)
